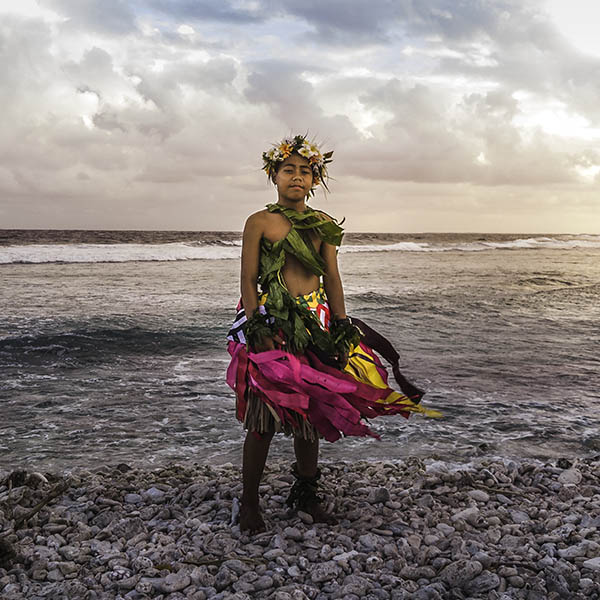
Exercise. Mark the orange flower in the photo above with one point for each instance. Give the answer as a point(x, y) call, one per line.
point(286, 149)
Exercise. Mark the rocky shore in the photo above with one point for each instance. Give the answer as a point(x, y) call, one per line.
point(422, 530)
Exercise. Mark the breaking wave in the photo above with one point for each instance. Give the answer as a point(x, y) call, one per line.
point(231, 249)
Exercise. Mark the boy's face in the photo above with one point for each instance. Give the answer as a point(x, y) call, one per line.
point(294, 178)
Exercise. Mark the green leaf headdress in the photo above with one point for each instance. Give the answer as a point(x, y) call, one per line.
point(317, 160)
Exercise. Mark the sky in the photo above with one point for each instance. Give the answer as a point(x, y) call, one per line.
point(443, 115)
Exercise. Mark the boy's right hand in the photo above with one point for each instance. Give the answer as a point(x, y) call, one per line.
point(269, 343)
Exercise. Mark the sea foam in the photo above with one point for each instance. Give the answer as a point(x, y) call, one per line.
point(197, 250)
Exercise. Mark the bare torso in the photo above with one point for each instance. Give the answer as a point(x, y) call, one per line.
point(298, 279)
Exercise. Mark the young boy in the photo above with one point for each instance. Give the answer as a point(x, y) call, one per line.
point(298, 363)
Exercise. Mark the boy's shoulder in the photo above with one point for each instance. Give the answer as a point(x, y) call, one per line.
point(257, 217)
point(261, 219)
point(265, 215)
point(324, 215)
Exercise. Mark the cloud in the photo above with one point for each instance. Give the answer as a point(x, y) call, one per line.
point(226, 11)
point(115, 17)
point(170, 104)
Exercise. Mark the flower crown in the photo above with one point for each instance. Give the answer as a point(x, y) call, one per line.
point(318, 161)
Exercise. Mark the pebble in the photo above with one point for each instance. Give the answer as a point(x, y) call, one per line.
point(458, 573)
point(592, 564)
point(479, 495)
point(570, 477)
point(380, 494)
point(133, 498)
point(172, 532)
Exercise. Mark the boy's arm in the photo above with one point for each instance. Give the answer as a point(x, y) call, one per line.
point(333, 282)
point(253, 231)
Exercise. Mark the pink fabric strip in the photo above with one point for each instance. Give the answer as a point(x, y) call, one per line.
point(333, 400)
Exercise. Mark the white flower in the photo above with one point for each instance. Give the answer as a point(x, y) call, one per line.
point(305, 150)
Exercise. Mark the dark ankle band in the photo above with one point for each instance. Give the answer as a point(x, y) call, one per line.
point(303, 494)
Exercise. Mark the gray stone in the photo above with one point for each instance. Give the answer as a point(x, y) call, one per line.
point(292, 533)
point(586, 585)
point(264, 583)
point(479, 495)
point(471, 515)
point(511, 541)
point(141, 563)
point(70, 552)
point(133, 499)
point(484, 582)
point(519, 516)
point(128, 583)
point(370, 541)
point(325, 572)
point(355, 584)
point(305, 517)
point(281, 595)
point(592, 564)
point(429, 592)
point(425, 501)
point(345, 556)
point(414, 573)
point(445, 528)
point(154, 495)
point(458, 573)
point(237, 566)
point(39, 574)
point(570, 477)
point(555, 582)
point(66, 568)
point(224, 578)
point(380, 494)
point(484, 558)
point(54, 575)
point(503, 499)
point(574, 551)
point(127, 528)
point(145, 585)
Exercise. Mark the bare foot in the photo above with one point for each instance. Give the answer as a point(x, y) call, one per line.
point(319, 514)
point(251, 520)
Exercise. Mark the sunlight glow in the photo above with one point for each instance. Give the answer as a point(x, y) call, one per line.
point(588, 173)
point(185, 30)
point(552, 117)
point(578, 21)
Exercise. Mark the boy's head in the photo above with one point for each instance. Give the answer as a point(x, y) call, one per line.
point(274, 158)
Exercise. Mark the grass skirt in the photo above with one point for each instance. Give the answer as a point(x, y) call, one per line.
point(300, 395)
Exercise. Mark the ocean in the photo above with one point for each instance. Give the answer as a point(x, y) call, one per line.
point(112, 345)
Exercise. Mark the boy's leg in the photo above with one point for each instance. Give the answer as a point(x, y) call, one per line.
point(256, 449)
point(307, 455)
